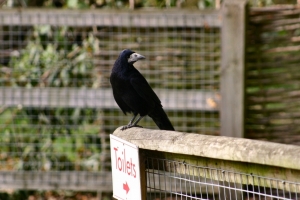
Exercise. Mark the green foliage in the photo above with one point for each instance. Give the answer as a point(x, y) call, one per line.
point(45, 141)
point(51, 138)
point(59, 63)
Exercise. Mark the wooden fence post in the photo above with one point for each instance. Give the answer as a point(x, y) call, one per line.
point(233, 68)
point(143, 174)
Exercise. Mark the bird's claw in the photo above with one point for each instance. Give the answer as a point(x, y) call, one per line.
point(130, 126)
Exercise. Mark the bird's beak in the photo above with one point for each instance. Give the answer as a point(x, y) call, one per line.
point(135, 57)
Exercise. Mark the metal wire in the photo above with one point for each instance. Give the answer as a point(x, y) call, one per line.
point(169, 179)
point(56, 102)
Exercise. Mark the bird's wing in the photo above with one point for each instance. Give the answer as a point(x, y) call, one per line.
point(118, 98)
point(121, 103)
point(143, 88)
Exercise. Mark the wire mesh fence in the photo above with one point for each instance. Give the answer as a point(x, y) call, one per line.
point(56, 102)
point(170, 179)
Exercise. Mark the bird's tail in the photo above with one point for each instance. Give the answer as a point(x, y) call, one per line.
point(161, 119)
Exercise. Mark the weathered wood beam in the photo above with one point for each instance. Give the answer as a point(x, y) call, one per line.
point(102, 98)
point(120, 18)
point(236, 155)
point(232, 78)
point(56, 180)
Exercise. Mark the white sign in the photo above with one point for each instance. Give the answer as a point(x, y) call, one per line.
point(125, 169)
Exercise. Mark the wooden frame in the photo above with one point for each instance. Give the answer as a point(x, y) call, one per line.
point(233, 68)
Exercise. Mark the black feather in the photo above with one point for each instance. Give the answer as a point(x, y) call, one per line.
point(133, 94)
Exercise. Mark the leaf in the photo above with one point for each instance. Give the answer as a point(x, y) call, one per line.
point(72, 3)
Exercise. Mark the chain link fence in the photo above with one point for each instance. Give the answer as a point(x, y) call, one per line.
point(176, 165)
point(171, 179)
point(56, 102)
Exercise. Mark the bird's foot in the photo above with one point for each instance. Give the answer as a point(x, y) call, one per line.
point(130, 126)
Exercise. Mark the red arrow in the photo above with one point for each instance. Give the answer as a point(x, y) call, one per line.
point(126, 187)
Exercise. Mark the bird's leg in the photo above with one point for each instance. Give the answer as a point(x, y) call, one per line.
point(131, 124)
point(137, 121)
point(132, 120)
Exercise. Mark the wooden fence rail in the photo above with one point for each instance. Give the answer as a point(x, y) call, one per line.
point(88, 18)
point(234, 160)
point(103, 98)
point(56, 180)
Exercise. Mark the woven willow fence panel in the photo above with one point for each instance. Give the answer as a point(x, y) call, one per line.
point(273, 75)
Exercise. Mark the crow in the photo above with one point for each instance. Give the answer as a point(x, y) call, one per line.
point(133, 93)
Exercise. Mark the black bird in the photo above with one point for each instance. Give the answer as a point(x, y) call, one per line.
point(133, 94)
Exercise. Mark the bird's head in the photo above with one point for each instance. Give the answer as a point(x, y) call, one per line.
point(131, 56)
